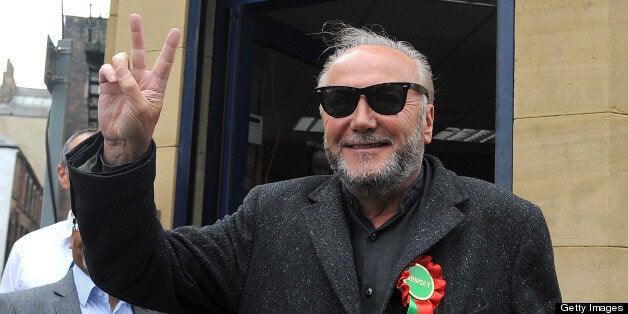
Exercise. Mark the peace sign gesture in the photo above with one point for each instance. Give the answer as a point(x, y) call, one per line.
point(131, 96)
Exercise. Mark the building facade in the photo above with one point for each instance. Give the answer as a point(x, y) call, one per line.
point(88, 46)
point(23, 118)
point(20, 197)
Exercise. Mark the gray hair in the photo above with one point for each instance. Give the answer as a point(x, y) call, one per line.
point(66, 146)
point(342, 37)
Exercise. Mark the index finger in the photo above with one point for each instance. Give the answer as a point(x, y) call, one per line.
point(138, 44)
point(166, 56)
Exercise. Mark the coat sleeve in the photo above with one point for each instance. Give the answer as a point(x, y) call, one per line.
point(535, 285)
point(132, 257)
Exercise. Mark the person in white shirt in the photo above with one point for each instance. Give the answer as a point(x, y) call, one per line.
point(74, 293)
point(42, 257)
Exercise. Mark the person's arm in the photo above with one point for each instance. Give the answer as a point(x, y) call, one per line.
point(130, 256)
point(10, 276)
point(128, 253)
point(535, 285)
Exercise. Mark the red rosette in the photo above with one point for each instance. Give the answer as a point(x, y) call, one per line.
point(436, 272)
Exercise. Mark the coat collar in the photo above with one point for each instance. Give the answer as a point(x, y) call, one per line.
point(439, 215)
point(65, 291)
point(330, 236)
point(329, 232)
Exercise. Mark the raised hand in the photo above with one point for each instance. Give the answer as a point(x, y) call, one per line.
point(131, 96)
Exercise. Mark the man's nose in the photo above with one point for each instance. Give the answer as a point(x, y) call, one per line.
point(363, 117)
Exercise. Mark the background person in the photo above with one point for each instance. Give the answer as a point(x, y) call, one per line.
point(320, 164)
point(41, 257)
point(74, 293)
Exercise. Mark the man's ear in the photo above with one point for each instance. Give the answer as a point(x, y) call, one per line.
point(64, 177)
point(428, 124)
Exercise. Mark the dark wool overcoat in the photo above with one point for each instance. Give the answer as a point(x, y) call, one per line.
point(287, 249)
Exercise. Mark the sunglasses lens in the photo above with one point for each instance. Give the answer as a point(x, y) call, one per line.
point(339, 101)
point(387, 99)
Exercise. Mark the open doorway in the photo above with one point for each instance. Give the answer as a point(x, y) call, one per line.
point(459, 39)
point(264, 123)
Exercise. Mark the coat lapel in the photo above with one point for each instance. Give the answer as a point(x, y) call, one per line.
point(438, 216)
point(65, 292)
point(328, 230)
point(140, 310)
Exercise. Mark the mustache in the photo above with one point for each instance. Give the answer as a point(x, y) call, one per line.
point(365, 138)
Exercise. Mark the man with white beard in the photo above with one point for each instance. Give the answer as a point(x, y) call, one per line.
point(391, 231)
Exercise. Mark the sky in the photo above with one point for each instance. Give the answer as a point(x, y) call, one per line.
point(24, 27)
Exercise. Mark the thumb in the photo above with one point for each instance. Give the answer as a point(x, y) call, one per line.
point(129, 86)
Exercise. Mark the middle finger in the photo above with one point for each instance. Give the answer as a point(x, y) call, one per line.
point(138, 44)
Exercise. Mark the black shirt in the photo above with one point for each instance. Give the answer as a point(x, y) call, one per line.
point(376, 250)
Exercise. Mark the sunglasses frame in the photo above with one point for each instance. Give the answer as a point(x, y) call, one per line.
point(366, 91)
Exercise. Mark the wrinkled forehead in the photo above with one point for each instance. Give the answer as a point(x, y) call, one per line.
point(374, 51)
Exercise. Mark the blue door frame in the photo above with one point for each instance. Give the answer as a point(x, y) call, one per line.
point(183, 186)
point(235, 29)
point(504, 98)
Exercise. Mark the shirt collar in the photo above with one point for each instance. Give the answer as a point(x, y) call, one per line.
point(62, 230)
point(86, 288)
point(84, 284)
point(68, 223)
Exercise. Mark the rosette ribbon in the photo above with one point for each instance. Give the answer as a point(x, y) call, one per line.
point(430, 301)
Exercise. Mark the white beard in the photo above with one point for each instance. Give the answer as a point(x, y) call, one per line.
point(377, 183)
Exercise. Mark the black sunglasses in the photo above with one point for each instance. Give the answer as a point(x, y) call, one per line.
point(385, 98)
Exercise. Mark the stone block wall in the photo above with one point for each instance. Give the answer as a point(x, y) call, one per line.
point(570, 129)
point(158, 18)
